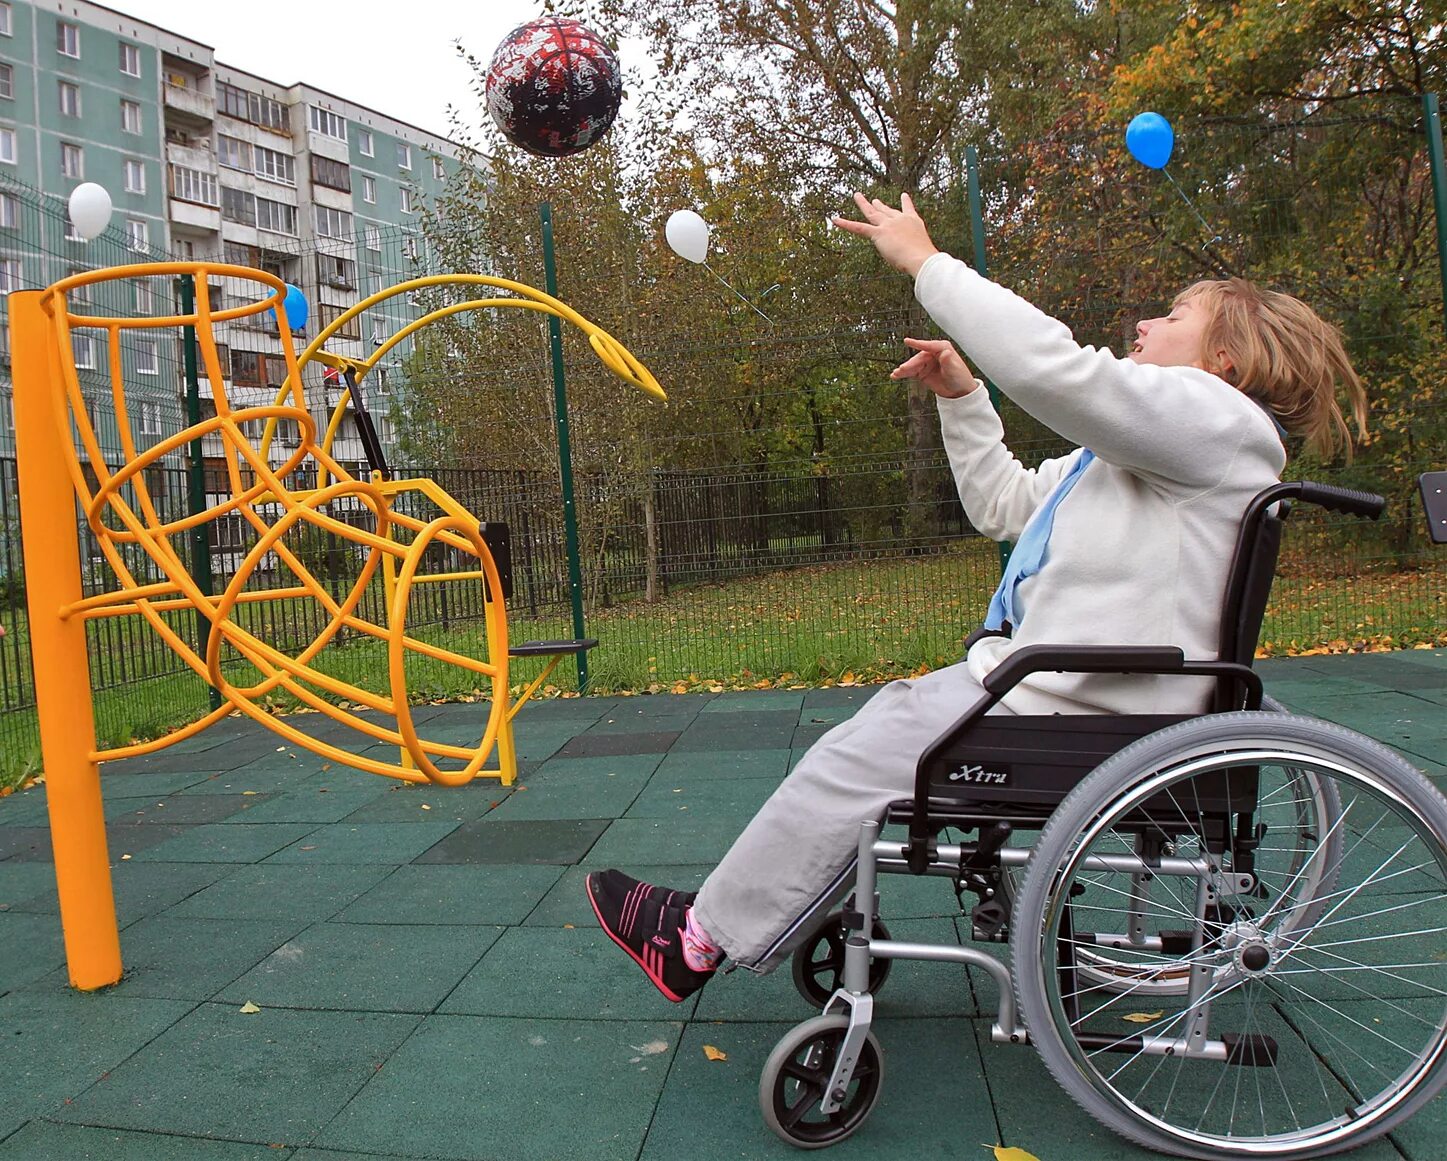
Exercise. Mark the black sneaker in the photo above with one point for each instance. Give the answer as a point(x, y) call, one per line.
point(647, 922)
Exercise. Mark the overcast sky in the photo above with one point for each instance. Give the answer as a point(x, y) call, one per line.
point(396, 58)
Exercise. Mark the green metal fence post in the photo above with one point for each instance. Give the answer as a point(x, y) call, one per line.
point(977, 237)
point(565, 449)
point(196, 473)
point(1439, 185)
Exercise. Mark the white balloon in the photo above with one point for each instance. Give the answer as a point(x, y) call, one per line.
point(687, 233)
point(90, 210)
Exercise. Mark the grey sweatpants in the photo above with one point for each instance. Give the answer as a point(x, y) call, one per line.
point(797, 854)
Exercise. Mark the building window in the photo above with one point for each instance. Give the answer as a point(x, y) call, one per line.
point(135, 176)
point(150, 412)
point(138, 235)
point(9, 212)
point(274, 165)
point(11, 275)
point(72, 161)
point(409, 248)
point(195, 185)
point(146, 364)
point(351, 329)
point(327, 123)
point(238, 206)
point(369, 189)
point(248, 368)
point(333, 270)
point(7, 146)
point(7, 82)
point(233, 153)
point(67, 39)
point(82, 346)
point(145, 296)
point(130, 59)
point(439, 171)
point(404, 155)
point(374, 238)
point(6, 28)
point(130, 116)
point(278, 217)
point(364, 142)
point(69, 99)
point(333, 223)
point(332, 174)
point(248, 106)
point(409, 200)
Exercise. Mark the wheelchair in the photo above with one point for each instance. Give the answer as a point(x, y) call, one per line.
point(1226, 937)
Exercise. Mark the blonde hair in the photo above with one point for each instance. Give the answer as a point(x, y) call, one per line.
point(1283, 354)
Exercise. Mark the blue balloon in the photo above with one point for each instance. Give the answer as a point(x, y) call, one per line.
point(297, 310)
point(1150, 139)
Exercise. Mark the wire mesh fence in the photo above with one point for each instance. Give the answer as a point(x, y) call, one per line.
point(790, 516)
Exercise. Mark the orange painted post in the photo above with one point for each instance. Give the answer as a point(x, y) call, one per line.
point(62, 675)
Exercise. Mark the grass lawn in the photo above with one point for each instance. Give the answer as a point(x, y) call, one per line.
point(853, 621)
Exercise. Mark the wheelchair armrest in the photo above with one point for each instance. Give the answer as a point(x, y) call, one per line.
point(1083, 659)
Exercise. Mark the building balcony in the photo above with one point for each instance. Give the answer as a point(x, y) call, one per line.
point(195, 216)
point(187, 103)
point(199, 156)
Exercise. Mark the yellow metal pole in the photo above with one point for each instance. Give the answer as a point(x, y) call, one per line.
point(389, 590)
point(62, 676)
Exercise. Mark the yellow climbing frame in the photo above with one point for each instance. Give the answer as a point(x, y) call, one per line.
point(60, 461)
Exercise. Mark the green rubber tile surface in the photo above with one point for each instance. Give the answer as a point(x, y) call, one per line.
point(662, 841)
point(276, 891)
point(555, 792)
point(45, 1141)
point(621, 765)
point(726, 762)
point(717, 731)
point(570, 1089)
point(933, 1102)
point(411, 802)
point(21, 883)
point(119, 785)
point(222, 842)
point(276, 1076)
point(737, 798)
point(141, 889)
point(757, 701)
point(567, 903)
point(30, 947)
point(365, 842)
point(605, 745)
point(364, 967)
point(573, 973)
point(326, 797)
point(58, 1044)
point(182, 809)
point(559, 841)
point(625, 719)
point(483, 895)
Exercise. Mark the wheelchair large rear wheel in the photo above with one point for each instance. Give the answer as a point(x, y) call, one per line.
point(1307, 1028)
point(1294, 807)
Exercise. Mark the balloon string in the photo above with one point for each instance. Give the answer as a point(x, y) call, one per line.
point(1215, 237)
point(739, 296)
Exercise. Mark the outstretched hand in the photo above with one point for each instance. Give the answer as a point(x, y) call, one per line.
point(899, 235)
point(938, 366)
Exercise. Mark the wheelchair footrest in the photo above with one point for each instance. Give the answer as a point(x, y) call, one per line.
point(549, 648)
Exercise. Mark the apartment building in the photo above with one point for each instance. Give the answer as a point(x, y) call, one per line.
point(205, 161)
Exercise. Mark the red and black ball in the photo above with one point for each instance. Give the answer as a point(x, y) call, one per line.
point(553, 87)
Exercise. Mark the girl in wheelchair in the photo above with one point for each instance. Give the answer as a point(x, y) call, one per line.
point(1125, 540)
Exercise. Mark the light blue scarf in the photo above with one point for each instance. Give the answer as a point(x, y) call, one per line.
point(1028, 556)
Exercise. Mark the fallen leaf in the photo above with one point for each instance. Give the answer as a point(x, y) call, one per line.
point(1011, 1153)
point(1143, 1017)
point(713, 1053)
point(244, 793)
point(426, 807)
point(249, 1009)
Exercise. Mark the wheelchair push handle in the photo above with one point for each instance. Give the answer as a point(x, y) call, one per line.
point(1347, 500)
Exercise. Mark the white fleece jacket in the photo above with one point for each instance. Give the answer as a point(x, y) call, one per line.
point(1141, 546)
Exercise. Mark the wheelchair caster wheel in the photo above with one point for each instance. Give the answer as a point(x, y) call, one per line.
point(818, 965)
point(796, 1073)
